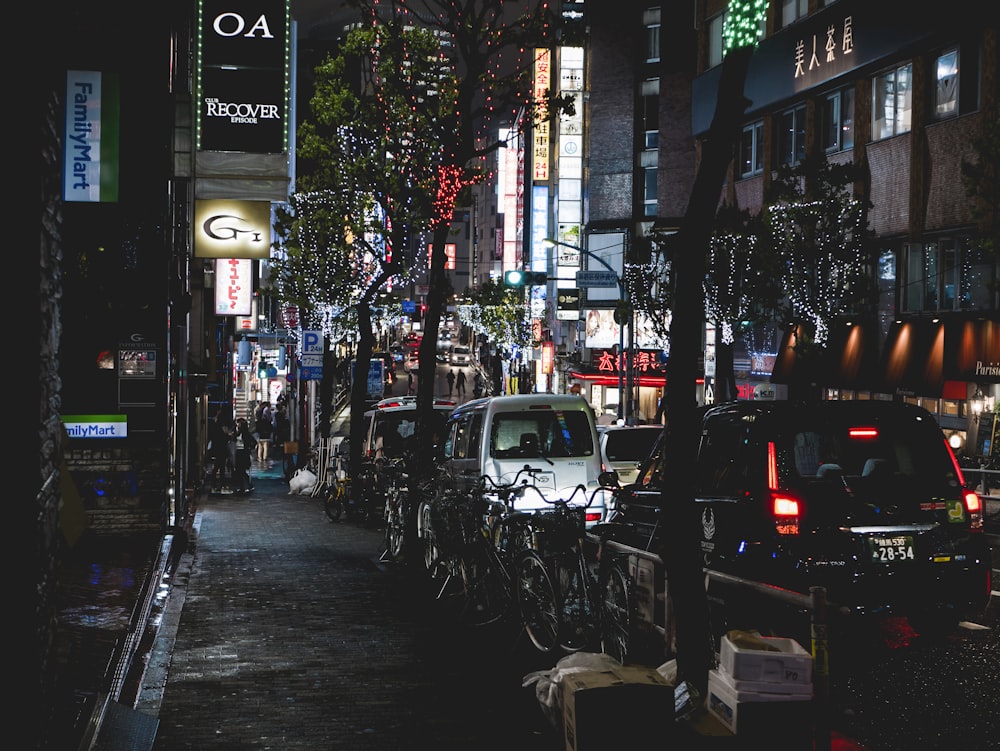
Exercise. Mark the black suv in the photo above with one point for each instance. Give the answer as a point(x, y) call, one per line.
point(863, 498)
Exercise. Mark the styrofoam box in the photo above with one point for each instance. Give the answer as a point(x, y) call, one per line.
point(756, 713)
point(790, 664)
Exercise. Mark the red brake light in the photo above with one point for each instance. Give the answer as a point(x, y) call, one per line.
point(863, 433)
point(974, 506)
point(787, 511)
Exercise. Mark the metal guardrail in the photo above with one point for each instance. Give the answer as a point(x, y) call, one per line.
point(982, 480)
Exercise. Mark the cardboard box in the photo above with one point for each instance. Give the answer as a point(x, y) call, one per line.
point(758, 715)
point(790, 664)
point(620, 707)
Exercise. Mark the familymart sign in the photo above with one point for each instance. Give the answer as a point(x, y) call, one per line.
point(96, 426)
point(91, 148)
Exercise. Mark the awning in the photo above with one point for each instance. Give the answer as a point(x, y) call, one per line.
point(972, 349)
point(939, 355)
point(850, 358)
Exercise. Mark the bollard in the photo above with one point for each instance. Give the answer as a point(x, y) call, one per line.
point(821, 670)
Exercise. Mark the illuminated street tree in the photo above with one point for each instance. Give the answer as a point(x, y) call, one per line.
point(818, 231)
point(431, 92)
point(498, 312)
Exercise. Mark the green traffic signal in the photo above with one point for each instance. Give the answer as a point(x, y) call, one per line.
point(514, 278)
point(519, 278)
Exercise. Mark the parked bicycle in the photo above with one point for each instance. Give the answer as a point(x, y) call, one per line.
point(394, 478)
point(471, 547)
point(337, 488)
point(566, 601)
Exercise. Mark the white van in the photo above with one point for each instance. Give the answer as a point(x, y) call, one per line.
point(553, 434)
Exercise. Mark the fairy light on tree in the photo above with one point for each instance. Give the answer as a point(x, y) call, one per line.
point(819, 232)
point(744, 23)
point(443, 80)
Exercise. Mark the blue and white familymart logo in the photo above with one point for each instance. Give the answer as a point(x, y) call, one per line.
point(96, 426)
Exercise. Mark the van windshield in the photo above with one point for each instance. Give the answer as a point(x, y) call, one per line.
point(550, 433)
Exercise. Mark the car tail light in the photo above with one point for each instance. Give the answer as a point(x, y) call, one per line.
point(973, 504)
point(593, 516)
point(787, 512)
point(785, 508)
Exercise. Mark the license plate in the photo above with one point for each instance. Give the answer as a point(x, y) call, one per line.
point(891, 549)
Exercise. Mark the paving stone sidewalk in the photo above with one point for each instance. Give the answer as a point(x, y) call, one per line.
point(284, 631)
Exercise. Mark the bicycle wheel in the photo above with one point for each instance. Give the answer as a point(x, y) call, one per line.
point(578, 621)
point(333, 503)
point(536, 601)
point(394, 525)
point(617, 613)
point(487, 596)
point(431, 557)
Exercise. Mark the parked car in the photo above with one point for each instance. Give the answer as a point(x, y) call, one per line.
point(625, 447)
point(390, 433)
point(554, 434)
point(862, 498)
point(460, 355)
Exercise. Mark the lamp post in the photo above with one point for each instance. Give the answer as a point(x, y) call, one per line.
point(621, 330)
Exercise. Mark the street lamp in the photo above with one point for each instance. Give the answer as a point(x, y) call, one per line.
point(621, 303)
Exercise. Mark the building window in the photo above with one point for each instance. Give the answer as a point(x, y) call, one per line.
point(838, 121)
point(716, 50)
point(792, 136)
point(650, 113)
point(649, 191)
point(946, 91)
point(891, 102)
point(651, 20)
point(792, 11)
point(752, 149)
point(947, 274)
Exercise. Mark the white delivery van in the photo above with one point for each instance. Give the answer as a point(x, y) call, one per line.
point(553, 434)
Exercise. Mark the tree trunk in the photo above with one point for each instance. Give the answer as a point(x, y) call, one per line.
point(359, 391)
point(681, 550)
point(428, 349)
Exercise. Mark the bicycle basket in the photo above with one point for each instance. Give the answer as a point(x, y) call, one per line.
point(457, 519)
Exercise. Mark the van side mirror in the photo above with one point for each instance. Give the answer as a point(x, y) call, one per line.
point(608, 479)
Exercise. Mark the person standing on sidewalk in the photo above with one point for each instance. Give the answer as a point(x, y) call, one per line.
point(460, 383)
point(245, 444)
point(265, 430)
point(283, 436)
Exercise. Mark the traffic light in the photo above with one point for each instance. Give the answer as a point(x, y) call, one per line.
point(519, 278)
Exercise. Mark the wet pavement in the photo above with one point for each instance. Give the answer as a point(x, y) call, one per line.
point(266, 626)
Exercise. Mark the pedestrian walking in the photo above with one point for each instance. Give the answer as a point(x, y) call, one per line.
point(283, 436)
point(460, 383)
point(477, 385)
point(265, 430)
point(244, 444)
point(409, 382)
point(220, 438)
point(451, 381)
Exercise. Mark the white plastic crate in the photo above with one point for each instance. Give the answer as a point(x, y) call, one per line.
point(789, 664)
point(759, 713)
